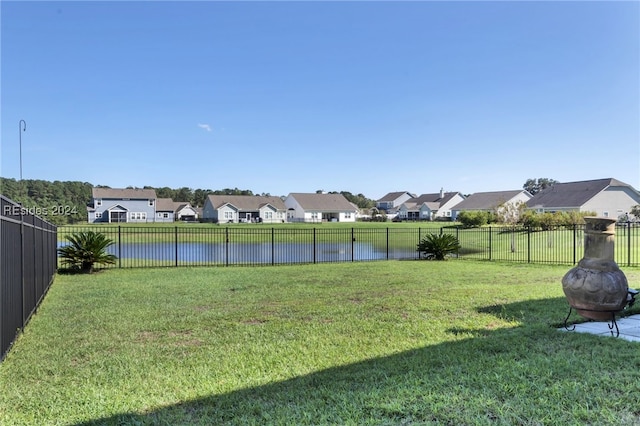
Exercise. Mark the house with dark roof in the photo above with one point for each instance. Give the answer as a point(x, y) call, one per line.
point(605, 197)
point(303, 207)
point(129, 205)
point(390, 202)
point(435, 206)
point(243, 208)
point(491, 201)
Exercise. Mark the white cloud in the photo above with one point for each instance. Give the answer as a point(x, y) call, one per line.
point(205, 127)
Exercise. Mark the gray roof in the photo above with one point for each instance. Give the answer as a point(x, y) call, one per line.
point(572, 194)
point(246, 202)
point(323, 202)
point(433, 201)
point(392, 196)
point(433, 198)
point(121, 194)
point(487, 200)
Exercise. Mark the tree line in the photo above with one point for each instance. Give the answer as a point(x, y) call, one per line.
point(65, 202)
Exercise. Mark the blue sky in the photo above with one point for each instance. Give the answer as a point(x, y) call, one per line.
point(279, 97)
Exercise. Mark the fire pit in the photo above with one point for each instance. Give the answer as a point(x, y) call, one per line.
point(596, 288)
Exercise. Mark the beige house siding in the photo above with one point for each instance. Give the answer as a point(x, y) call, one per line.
point(612, 202)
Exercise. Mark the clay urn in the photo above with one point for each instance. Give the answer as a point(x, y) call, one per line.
point(596, 288)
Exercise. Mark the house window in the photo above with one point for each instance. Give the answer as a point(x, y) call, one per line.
point(268, 215)
point(165, 215)
point(151, 203)
point(314, 215)
point(347, 215)
point(228, 215)
point(98, 215)
point(138, 216)
point(98, 203)
point(605, 214)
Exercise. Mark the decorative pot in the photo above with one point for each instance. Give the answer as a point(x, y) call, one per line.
point(596, 288)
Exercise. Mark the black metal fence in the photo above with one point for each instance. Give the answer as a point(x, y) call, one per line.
point(28, 262)
point(143, 246)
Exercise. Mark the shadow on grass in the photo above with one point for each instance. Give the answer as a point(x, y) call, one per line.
point(505, 375)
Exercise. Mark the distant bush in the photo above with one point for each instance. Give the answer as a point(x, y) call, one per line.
point(472, 219)
point(549, 220)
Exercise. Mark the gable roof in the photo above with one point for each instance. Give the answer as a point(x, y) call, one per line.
point(487, 200)
point(246, 202)
point(181, 205)
point(323, 202)
point(392, 196)
point(572, 194)
point(433, 199)
point(121, 194)
point(164, 205)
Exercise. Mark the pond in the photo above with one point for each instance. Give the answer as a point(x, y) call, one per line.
point(163, 253)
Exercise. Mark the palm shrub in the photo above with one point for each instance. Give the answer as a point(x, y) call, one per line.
point(438, 246)
point(85, 249)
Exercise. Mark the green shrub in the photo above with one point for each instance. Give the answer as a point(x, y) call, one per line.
point(472, 219)
point(85, 250)
point(438, 247)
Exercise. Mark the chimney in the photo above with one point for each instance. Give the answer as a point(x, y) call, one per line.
point(441, 192)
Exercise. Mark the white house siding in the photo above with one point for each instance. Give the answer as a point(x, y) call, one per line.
point(391, 204)
point(187, 211)
point(227, 214)
point(612, 202)
point(268, 214)
point(445, 210)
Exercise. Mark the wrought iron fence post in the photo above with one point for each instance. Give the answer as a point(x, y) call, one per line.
point(628, 243)
point(575, 238)
point(119, 247)
point(387, 243)
point(529, 244)
point(273, 246)
point(490, 243)
point(226, 246)
point(314, 245)
point(353, 239)
point(176, 240)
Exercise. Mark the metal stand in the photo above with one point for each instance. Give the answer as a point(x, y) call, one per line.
point(612, 324)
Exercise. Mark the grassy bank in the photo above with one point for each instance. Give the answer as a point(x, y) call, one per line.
point(367, 343)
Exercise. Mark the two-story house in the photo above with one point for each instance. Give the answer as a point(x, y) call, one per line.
point(111, 205)
point(436, 206)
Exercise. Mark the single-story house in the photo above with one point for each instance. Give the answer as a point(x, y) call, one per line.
point(243, 208)
point(491, 201)
point(185, 212)
point(605, 197)
point(303, 207)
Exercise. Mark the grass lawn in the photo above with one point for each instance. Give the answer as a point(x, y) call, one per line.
point(391, 342)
